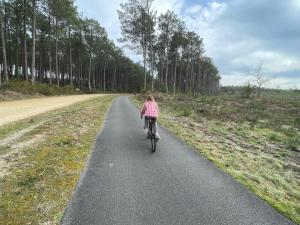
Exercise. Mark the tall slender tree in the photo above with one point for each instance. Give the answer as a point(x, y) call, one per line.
point(33, 41)
point(137, 28)
point(3, 40)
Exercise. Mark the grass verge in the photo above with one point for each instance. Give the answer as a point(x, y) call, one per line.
point(259, 158)
point(39, 185)
point(20, 89)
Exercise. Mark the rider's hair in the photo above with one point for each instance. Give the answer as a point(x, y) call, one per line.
point(150, 98)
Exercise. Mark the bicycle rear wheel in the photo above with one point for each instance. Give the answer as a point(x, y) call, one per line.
point(152, 137)
point(153, 143)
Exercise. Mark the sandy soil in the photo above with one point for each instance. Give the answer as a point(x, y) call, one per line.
point(15, 110)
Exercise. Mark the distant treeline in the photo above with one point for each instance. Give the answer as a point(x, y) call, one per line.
point(49, 41)
point(239, 89)
point(174, 55)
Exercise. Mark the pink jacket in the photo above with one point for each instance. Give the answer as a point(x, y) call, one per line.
point(150, 108)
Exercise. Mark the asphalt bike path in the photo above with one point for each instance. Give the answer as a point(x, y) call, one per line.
point(124, 183)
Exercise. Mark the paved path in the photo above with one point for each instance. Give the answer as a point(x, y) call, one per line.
point(11, 111)
point(126, 184)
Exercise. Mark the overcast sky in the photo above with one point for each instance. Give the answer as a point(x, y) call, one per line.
point(238, 34)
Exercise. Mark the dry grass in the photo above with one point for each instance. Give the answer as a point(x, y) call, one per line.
point(264, 158)
point(39, 183)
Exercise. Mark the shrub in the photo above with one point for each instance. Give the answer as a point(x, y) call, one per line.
point(293, 144)
point(255, 111)
point(186, 112)
point(26, 87)
point(247, 90)
point(144, 91)
point(273, 137)
point(297, 122)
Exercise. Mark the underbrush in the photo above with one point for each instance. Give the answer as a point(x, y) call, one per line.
point(25, 87)
point(278, 111)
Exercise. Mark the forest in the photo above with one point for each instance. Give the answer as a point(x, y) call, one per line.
point(49, 41)
point(174, 55)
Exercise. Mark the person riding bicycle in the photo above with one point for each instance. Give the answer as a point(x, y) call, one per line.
point(150, 110)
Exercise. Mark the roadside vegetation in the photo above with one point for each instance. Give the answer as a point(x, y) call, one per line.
point(255, 140)
point(19, 89)
point(40, 170)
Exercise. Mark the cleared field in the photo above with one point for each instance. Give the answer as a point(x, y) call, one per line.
point(255, 140)
point(16, 110)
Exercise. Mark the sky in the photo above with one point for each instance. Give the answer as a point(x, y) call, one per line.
point(238, 35)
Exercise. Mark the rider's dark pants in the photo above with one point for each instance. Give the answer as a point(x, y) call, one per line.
point(147, 119)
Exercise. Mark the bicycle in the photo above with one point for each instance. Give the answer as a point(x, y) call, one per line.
point(151, 134)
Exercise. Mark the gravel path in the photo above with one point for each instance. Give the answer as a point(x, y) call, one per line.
point(16, 110)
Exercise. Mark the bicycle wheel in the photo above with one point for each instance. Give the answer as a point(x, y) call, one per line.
point(153, 143)
point(152, 138)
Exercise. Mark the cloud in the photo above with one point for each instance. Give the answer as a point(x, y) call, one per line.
point(275, 82)
point(105, 11)
point(165, 5)
point(237, 34)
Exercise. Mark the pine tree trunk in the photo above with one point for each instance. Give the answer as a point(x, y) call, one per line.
point(40, 69)
point(56, 54)
point(187, 76)
point(80, 75)
point(70, 58)
point(180, 78)
point(3, 47)
point(50, 64)
point(17, 59)
point(104, 76)
point(167, 69)
point(25, 43)
point(199, 77)
point(33, 41)
point(152, 66)
point(151, 48)
point(175, 69)
point(90, 68)
point(114, 81)
point(192, 81)
point(161, 75)
point(94, 82)
point(145, 72)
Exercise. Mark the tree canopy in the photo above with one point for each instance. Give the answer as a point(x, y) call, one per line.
point(175, 55)
point(49, 41)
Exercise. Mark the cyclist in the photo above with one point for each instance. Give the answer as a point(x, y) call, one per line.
point(150, 110)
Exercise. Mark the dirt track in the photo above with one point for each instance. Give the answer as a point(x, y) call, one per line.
point(15, 110)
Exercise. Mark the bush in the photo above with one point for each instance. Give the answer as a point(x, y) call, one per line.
point(297, 122)
point(26, 87)
point(144, 91)
point(255, 111)
point(273, 137)
point(247, 90)
point(186, 112)
point(293, 144)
